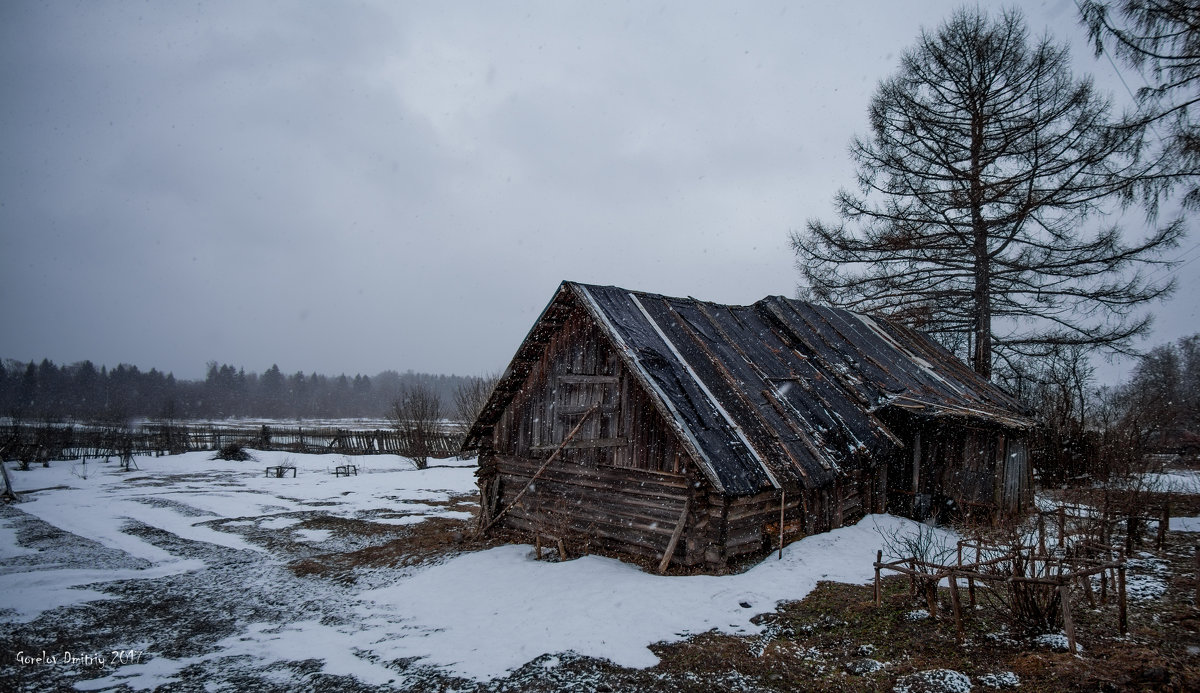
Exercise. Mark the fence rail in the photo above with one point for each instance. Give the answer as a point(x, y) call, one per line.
point(41, 443)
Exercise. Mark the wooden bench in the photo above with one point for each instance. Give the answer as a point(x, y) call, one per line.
point(345, 470)
point(279, 471)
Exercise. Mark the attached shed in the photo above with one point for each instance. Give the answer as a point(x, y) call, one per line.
point(682, 431)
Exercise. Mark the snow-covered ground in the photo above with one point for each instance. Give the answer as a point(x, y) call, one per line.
point(1175, 481)
point(185, 561)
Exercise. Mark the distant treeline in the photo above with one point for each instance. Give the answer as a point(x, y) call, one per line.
point(84, 392)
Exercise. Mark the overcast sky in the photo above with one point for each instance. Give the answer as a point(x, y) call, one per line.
point(354, 187)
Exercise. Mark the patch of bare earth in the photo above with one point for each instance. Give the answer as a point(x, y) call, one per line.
point(431, 540)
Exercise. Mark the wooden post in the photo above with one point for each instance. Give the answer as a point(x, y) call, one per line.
point(1062, 526)
point(879, 591)
point(1064, 594)
point(9, 494)
point(537, 545)
point(954, 601)
point(483, 502)
point(1164, 524)
point(782, 506)
point(971, 582)
point(666, 557)
point(1122, 616)
point(1042, 533)
point(562, 550)
point(1087, 590)
point(495, 501)
point(930, 585)
point(1197, 563)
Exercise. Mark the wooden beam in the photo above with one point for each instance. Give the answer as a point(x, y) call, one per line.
point(782, 507)
point(1122, 613)
point(1064, 592)
point(578, 379)
point(666, 558)
point(955, 601)
point(541, 469)
point(878, 588)
point(585, 444)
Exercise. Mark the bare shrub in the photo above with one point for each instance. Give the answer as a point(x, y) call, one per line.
point(416, 415)
point(118, 438)
point(233, 452)
point(926, 551)
point(1030, 607)
point(1004, 559)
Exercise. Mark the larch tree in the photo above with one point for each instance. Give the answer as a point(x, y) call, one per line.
point(980, 192)
point(1161, 39)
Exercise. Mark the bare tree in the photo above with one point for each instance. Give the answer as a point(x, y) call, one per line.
point(1058, 387)
point(987, 160)
point(471, 395)
point(416, 415)
point(1161, 39)
point(1164, 391)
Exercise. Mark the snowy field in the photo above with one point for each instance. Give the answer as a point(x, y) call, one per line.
point(179, 571)
point(1178, 481)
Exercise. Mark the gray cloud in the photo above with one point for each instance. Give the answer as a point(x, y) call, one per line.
point(355, 187)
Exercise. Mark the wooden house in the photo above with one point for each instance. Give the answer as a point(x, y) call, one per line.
point(683, 431)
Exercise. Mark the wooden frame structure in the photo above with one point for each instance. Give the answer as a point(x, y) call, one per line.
point(1030, 564)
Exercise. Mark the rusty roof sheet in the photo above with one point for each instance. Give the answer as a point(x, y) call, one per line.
point(781, 393)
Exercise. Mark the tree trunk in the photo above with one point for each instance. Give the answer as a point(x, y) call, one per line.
point(981, 359)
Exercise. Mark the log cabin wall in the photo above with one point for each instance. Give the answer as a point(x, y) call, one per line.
point(950, 467)
point(738, 525)
point(620, 484)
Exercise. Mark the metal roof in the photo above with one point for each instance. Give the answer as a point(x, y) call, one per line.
point(778, 393)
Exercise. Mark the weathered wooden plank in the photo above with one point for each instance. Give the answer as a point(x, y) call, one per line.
point(605, 512)
point(619, 476)
point(600, 496)
point(632, 536)
point(581, 379)
point(580, 488)
point(659, 519)
point(669, 552)
point(615, 474)
point(587, 444)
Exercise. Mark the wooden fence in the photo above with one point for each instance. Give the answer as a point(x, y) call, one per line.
point(1009, 565)
point(41, 442)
